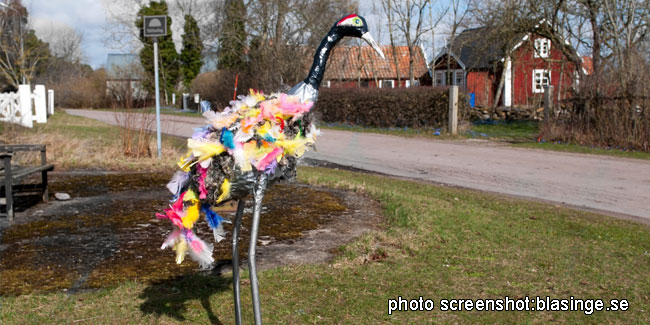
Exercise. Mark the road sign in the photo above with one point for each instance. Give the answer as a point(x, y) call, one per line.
point(155, 26)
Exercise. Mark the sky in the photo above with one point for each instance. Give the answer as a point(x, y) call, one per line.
point(91, 19)
point(87, 17)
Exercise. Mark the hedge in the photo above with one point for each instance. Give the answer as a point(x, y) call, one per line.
point(415, 107)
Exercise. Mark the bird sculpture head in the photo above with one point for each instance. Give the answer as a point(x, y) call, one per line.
point(355, 26)
point(349, 26)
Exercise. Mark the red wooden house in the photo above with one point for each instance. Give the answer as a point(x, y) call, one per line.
point(478, 60)
point(361, 66)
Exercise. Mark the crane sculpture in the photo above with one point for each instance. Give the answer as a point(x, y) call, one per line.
point(244, 149)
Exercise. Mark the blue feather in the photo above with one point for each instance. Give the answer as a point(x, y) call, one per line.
point(227, 138)
point(213, 218)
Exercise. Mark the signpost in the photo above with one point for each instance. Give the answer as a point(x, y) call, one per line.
point(156, 26)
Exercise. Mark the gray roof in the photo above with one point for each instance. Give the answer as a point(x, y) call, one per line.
point(123, 67)
point(480, 48)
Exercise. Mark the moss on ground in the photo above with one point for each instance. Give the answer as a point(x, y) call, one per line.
point(112, 239)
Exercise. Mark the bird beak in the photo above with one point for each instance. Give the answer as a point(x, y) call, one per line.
point(368, 38)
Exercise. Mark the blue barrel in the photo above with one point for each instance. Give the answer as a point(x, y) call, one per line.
point(472, 100)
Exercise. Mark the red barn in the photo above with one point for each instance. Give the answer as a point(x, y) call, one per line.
point(478, 63)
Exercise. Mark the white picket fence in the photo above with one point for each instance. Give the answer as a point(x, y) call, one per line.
point(25, 106)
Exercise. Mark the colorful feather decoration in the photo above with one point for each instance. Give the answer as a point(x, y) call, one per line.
point(255, 133)
point(227, 138)
point(225, 191)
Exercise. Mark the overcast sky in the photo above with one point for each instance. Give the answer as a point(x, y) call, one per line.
point(89, 18)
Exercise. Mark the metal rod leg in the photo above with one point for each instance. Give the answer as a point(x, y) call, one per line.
point(258, 196)
point(235, 261)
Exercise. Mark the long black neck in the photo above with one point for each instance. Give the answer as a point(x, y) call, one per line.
point(320, 58)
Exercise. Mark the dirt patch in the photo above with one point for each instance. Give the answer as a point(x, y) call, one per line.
point(108, 233)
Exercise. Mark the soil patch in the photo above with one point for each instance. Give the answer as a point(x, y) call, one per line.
point(108, 232)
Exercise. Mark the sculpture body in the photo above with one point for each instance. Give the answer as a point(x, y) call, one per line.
point(244, 149)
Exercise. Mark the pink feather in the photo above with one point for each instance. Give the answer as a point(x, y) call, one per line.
point(171, 239)
point(175, 212)
point(269, 158)
point(293, 108)
point(203, 192)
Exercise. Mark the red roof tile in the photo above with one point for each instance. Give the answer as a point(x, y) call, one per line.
point(354, 62)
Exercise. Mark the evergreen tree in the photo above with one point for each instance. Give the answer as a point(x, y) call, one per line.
point(190, 58)
point(233, 37)
point(167, 55)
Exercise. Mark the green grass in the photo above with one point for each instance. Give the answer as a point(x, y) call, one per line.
point(403, 132)
point(505, 131)
point(75, 142)
point(438, 242)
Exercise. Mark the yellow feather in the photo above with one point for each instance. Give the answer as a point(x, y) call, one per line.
point(264, 129)
point(184, 162)
point(191, 216)
point(205, 150)
point(180, 248)
point(189, 196)
point(225, 191)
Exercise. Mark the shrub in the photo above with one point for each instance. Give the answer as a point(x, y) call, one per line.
point(81, 91)
point(414, 107)
point(608, 111)
point(218, 87)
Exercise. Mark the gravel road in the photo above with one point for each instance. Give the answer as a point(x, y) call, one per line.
point(616, 186)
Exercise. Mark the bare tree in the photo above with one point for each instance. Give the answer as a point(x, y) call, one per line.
point(459, 10)
point(387, 5)
point(65, 43)
point(410, 20)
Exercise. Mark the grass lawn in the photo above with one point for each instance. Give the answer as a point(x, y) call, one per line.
point(438, 243)
point(514, 131)
point(75, 142)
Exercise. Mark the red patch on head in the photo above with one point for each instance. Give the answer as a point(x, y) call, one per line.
point(344, 18)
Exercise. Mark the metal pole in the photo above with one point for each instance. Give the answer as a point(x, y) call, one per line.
point(155, 68)
point(258, 195)
point(235, 261)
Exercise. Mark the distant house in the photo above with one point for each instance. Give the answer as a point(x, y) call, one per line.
point(361, 66)
point(476, 62)
point(124, 76)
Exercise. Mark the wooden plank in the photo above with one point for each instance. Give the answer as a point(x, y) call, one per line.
point(21, 147)
point(17, 173)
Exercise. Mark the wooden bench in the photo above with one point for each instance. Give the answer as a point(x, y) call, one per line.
point(13, 174)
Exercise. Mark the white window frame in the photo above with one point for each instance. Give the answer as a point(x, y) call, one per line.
point(329, 83)
point(458, 73)
point(407, 83)
point(538, 75)
point(381, 83)
point(542, 47)
point(440, 76)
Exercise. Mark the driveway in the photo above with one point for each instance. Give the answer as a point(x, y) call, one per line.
point(616, 186)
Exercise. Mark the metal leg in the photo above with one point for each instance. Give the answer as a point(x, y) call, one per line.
point(258, 195)
point(235, 261)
